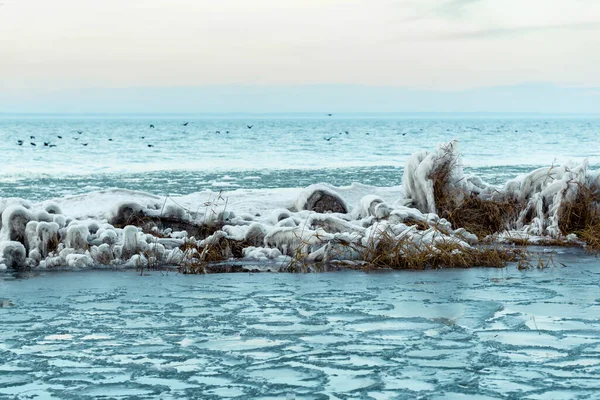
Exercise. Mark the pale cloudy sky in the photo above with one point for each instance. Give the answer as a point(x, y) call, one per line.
point(48, 45)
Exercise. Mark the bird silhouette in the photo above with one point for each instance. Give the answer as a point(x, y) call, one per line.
point(76, 138)
point(226, 131)
point(329, 115)
point(31, 137)
point(186, 124)
point(110, 140)
point(404, 134)
point(217, 131)
point(60, 137)
point(150, 145)
point(151, 126)
point(31, 143)
point(52, 145)
point(84, 144)
point(80, 132)
point(46, 144)
point(328, 138)
point(249, 126)
point(142, 137)
point(20, 142)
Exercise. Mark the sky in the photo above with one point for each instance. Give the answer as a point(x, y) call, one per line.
point(63, 55)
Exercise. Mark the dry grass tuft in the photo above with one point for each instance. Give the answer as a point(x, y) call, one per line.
point(582, 217)
point(478, 216)
point(403, 254)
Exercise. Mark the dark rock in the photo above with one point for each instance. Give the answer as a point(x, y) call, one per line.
point(322, 202)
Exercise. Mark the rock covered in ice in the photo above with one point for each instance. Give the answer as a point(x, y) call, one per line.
point(12, 254)
point(77, 237)
point(14, 221)
point(321, 199)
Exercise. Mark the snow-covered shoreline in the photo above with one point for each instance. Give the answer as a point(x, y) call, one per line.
point(317, 224)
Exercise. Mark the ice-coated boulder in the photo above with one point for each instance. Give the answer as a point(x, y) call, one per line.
point(321, 199)
point(12, 254)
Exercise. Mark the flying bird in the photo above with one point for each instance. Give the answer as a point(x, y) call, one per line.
point(328, 138)
point(110, 140)
point(31, 137)
point(20, 142)
point(186, 124)
point(46, 144)
point(60, 137)
point(151, 126)
point(150, 145)
point(142, 137)
point(84, 144)
point(80, 132)
point(249, 126)
point(31, 143)
point(52, 145)
point(329, 115)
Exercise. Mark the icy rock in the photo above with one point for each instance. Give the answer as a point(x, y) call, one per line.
point(47, 233)
point(79, 260)
point(277, 215)
point(52, 208)
point(137, 261)
point(321, 199)
point(108, 236)
point(12, 254)
point(374, 206)
point(44, 216)
point(131, 242)
point(31, 236)
point(60, 220)
point(261, 253)
point(127, 212)
point(102, 254)
point(77, 237)
point(255, 234)
point(93, 227)
point(14, 221)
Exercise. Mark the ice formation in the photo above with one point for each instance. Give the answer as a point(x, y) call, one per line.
point(320, 223)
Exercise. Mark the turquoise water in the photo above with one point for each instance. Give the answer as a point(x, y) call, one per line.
point(466, 334)
point(472, 334)
point(279, 151)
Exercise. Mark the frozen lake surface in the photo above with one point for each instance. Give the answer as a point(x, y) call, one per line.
point(465, 334)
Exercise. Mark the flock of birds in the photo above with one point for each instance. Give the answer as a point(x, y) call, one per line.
point(49, 144)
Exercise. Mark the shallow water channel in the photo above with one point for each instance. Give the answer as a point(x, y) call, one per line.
point(466, 334)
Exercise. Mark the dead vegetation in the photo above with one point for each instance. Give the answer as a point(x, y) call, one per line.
point(467, 210)
point(582, 217)
point(388, 252)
